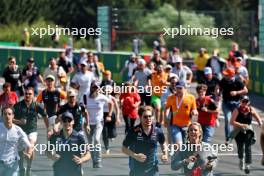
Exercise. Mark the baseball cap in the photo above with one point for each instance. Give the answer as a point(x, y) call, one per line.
point(178, 59)
point(83, 62)
point(208, 71)
point(168, 66)
point(245, 97)
point(31, 59)
point(180, 84)
point(229, 72)
point(83, 50)
point(107, 72)
point(141, 62)
point(50, 77)
point(67, 115)
point(72, 93)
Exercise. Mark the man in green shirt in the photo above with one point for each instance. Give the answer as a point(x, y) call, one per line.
point(26, 116)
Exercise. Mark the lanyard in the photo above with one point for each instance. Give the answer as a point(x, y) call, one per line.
point(178, 104)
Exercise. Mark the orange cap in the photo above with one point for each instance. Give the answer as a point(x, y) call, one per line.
point(107, 72)
point(229, 72)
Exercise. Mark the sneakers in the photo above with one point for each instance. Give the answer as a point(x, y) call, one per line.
point(247, 169)
point(97, 165)
point(107, 152)
point(241, 164)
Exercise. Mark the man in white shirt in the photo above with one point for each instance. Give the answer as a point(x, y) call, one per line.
point(95, 102)
point(82, 80)
point(12, 139)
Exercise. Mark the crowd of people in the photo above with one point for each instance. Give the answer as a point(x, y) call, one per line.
point(80, 104)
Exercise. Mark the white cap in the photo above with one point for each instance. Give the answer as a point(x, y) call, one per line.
point(83, 62)
point(141, 62)
point(208, 71)
point(83, 50)
point(178, 59)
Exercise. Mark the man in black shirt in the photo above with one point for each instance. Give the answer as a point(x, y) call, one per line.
point(70, 150)
point(212, 83)
point(13, 75)
point(141, 145)
point(231, 89)
point(78, 111)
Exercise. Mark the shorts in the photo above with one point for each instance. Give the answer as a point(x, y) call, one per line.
point(155, 100)
point(33, 136)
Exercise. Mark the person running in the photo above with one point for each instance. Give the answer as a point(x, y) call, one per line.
point(207, 112)
point(130, 101)
point(13, 74)
point(82, 80)
point(140, 80)
point(199, 158)
point(68, 162)
point(141, 145)
point(12, 138)
point(232, 89)
point(109, 130)
point(79, 112)
point(8, 98)
point(243, 131)
point(182, 71)
point(130, 64)
point(95, 102)
point(26, 116)
point(31, 75)
point(108, 79)
point(200, 61)
point(54, 70)
point(51, 98)
point(159, 83)
point(182, 106)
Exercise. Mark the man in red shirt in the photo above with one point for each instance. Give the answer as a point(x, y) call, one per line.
point(8, 98)
point(130, 101)
point(207, 112)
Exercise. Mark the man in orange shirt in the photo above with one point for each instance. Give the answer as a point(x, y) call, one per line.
point(159, 83)
point(182, 106)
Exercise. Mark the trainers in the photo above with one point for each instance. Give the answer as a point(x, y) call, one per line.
point(107, 152)
point(241, 164)
point(247, 169)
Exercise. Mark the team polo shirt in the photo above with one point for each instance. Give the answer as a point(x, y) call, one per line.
point(77, 112)
point(73, 146)
point(181, 116)
point(138, 142)
point(157, 82)
point(51, 100)
point(30, 113)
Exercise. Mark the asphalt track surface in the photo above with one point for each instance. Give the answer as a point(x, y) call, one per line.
point(116, 164)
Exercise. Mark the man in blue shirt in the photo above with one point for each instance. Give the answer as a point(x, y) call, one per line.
point(141, 145)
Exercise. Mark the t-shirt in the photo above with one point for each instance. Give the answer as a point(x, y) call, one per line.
point(8, 99)
point(30, 113)
point(51, 100)
point(205, 118)
point(83, 80)
point(65, 65)
point(13, 77)
point(181, 116)
point(95, 108)
point(158, 83)
point(211, 84)
point(142, 77)
point(131, 66)
point(129, 99)
point(228, 86)
point(65, 165)
point(200, 61)
point(139, 142)
point(76, 111)
point(32, 76)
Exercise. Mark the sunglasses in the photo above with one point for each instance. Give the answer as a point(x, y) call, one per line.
point(67, 120)
point(29, 93)
point(147, 116)
point(244, 101)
